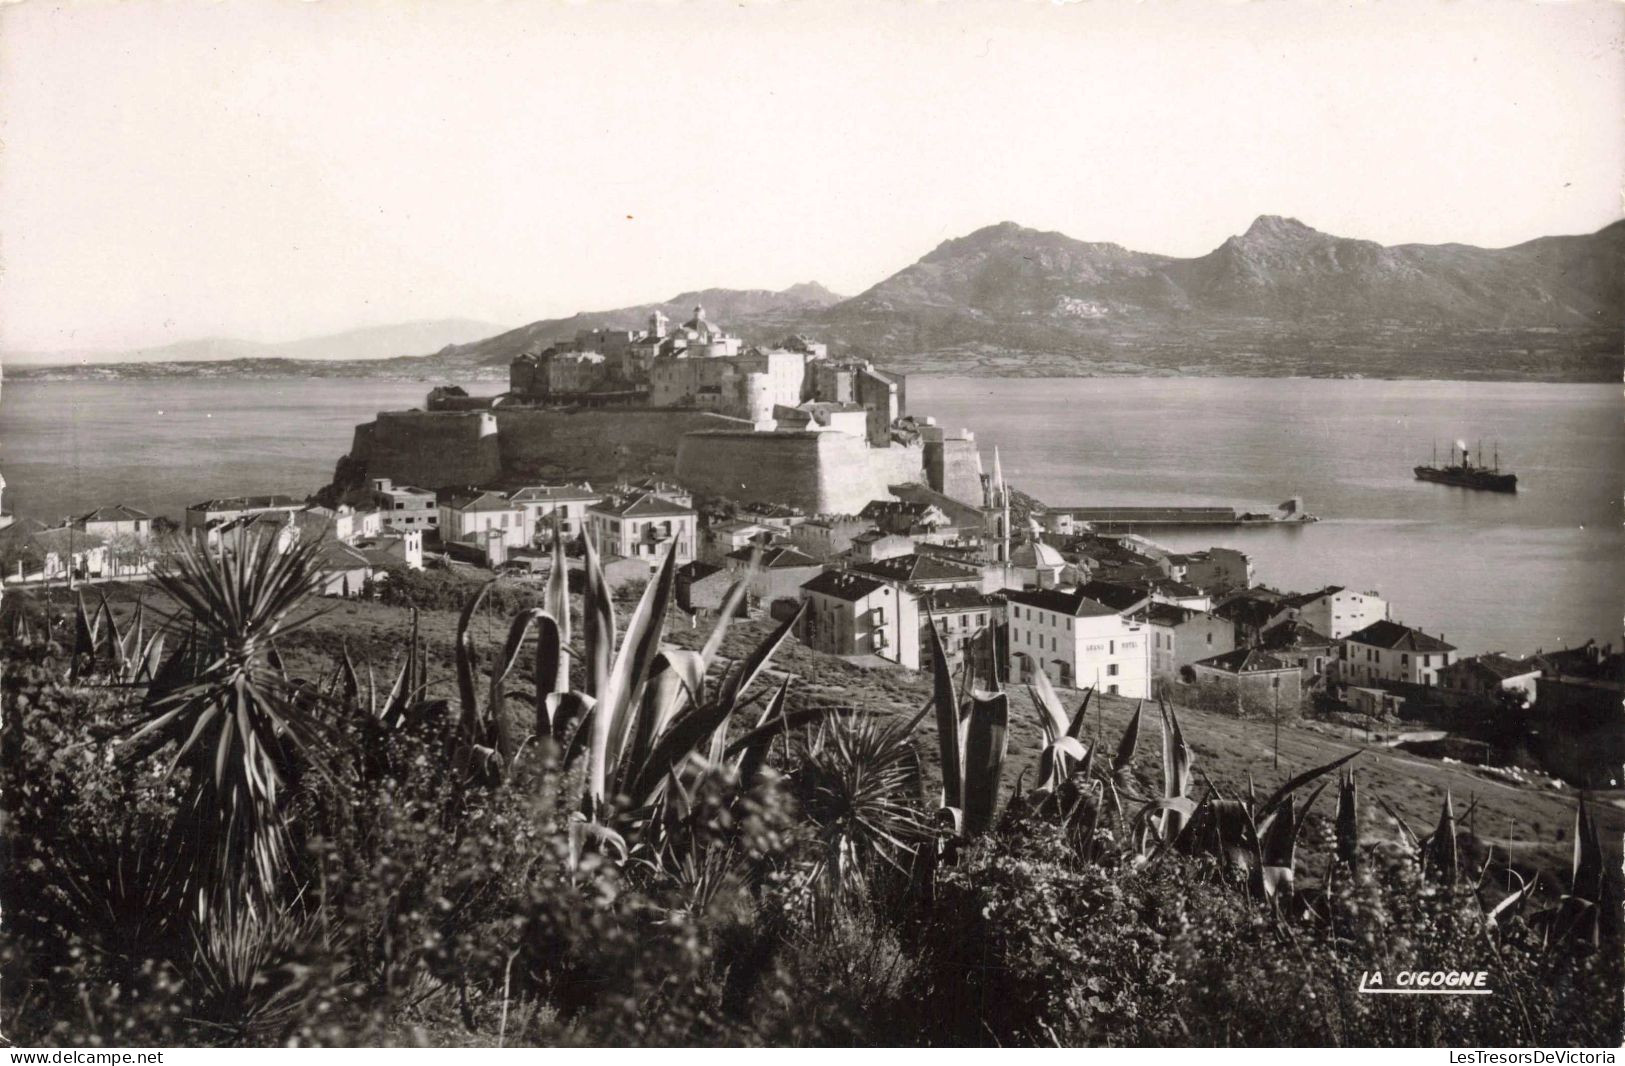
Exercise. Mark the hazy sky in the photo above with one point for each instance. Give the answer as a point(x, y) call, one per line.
point(277, 170)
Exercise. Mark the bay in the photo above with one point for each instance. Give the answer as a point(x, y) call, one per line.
point(1513, 573)
point(1538, 569)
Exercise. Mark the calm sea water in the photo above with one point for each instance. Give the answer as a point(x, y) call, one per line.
point(1489, 571)
point(66, 447)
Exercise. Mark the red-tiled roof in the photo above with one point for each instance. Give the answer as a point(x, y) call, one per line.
point(943, 600)
point(776, 558)
point(1294, 634)
point(247, 503)
point(642, 505)
point(116, 513)
point(1247, 661)
point(477, 500)
point(1392, 635)
point(1074, 604)
point(915, 568)
point(1117, 596)
point(842, 585)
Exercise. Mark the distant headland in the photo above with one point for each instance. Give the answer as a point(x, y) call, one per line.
point(1280, 299)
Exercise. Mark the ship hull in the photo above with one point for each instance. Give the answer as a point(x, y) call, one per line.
point(1481, 480)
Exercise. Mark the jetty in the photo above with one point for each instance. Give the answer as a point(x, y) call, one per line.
point(1107, 518)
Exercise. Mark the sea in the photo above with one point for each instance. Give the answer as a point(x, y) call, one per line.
point(1541, 569)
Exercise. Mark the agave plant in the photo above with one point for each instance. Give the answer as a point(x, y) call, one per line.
point(646, 713)
point(231, 715)
point(972, 740)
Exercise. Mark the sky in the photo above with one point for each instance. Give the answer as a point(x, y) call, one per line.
point(277, 170)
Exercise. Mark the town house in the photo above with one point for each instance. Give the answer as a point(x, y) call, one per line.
point(565, 505)
point(640, 525)
point(1334, 610)
point(1181, 636)
point(213, 512)
point(851, 614)
point(1388, 651)
point(405, 507)
point(484, 519)
point(1078, 642)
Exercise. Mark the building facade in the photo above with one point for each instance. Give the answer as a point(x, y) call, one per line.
point(1388, 651)
point(1181, 636)
point(550, 507)
point(405, 507)
point(850, 614)
point(1334, 610)
point(1078, 642)
point(640, 526)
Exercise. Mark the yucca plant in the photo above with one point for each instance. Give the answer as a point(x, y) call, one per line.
point(231, 716)
point(854, 783)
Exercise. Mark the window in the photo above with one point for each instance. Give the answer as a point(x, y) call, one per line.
point(1404, 660)
point(1111, 669)
point(1111, 647)
point(1427, 660)
point(1210, 640)
point(1052, 644)
point(1111, 690)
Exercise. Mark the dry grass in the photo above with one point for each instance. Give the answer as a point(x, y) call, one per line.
point(1227, 750)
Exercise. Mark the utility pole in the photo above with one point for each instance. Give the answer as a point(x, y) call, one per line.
point(1277, 748)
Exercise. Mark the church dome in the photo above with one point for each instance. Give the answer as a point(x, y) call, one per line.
point(1036, 555)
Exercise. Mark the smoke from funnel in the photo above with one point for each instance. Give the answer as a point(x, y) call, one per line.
point(1461, 445)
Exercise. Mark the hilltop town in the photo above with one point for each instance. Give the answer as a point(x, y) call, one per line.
point(806, 476)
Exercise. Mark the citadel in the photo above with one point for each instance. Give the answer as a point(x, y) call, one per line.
point(786, 424)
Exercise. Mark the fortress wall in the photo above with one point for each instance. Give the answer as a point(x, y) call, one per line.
point(437, 449)
point(817, 472)
point(958, 471)
point(428, 449)
point(601, 443)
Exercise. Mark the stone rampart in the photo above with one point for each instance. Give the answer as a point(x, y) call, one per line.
point(440, 449)
point(818, 472)
point(429, 449)
point(601, 443)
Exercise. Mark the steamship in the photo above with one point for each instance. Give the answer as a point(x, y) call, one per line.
point(1467, 474)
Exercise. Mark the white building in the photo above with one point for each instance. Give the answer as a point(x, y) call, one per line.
point(405, 507)
point(1334, 610)
point(214, 512)
point(639, 526)
point(116, 521)
point(471, 516)
point(1078, 643)
point(853, 614)
point(565, 504)
point(1388, 651)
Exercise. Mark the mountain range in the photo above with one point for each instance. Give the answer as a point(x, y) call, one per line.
point(1279, 298)
point(370, 342)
